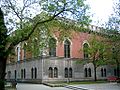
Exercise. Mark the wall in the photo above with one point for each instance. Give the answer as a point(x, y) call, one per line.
point(60, 63)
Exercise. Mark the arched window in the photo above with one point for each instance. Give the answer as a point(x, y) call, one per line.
point(85, 71)
point(55, 72)
point(66, 72)
point(105, 72)
point(52, 47)
point(70, 72)
point(35, 72)
point(102, 72)
point(85, 51)
point(15, 72)
point(89, 72)
point(32, 73)
point(67, 49)
point(22, 73)
point(50, 72)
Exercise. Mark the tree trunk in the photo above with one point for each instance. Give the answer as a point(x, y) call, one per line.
point(95, 74)
point(2, 72)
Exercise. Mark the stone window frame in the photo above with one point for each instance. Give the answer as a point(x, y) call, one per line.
point(85, 50)
point(50, 72)
point(103, 72)
point(66, 72)
point(55, 72)
point(70, 72)
point(88, 72)
point(35, 73)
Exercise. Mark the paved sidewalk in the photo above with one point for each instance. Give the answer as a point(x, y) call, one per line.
point(105, 86)
point(23, 86)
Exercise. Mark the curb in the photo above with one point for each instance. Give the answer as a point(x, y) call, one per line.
point(53, 85)
point(76, 88)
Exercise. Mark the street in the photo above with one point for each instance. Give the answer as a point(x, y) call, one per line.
point(22, 86)
point(102, 86)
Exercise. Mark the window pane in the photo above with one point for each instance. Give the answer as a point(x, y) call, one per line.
point(52, 47)
point(66, 72)
point(35, 73)
point(21, 73)
point(102, 72)
point(24, 73)
point(86, 72)
point(55, 72)
point(32, 73)
point(67, 49)
point(50, 72)
point(89, 71)
point(70, 72)
point(85, 50)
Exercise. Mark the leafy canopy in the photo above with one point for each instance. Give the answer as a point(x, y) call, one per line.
point(50, 10)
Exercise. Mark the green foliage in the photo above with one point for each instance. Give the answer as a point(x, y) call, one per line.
point(113, 30)
point(98, 50)
point(74, 9)
point(55, 14)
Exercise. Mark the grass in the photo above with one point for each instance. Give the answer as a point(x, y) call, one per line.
point(58, 84)
point(87, 82)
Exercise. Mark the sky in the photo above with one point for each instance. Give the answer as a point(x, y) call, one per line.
point(101, 10)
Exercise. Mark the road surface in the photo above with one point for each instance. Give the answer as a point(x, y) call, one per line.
point(22, 86)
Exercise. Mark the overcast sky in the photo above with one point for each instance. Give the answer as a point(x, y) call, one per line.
point(101, 10)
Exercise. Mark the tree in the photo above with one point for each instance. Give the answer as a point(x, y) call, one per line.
point(53, 8)
point(3, 54)
point(17, 13)
point(97, 52)
point(112, 29)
